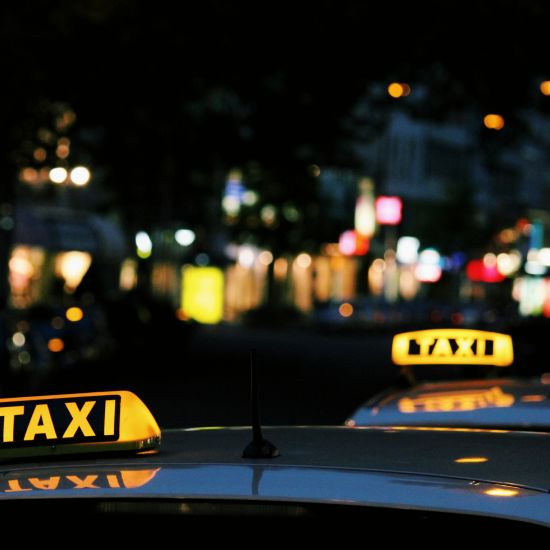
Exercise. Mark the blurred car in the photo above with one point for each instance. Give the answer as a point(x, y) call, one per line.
point(493, 402)
point(62, 462)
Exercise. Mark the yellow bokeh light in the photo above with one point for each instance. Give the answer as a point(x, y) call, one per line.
point(501, 492)
point(28, 175)
point(303, 260)
point(74, 314)
point(545, 87)
point(280, 268)
point(265, 257)
point(396, 90)
point(39, 154)
point(72, 266)
point(346, 310)
point(493, 121)
point(203, 294)
point(55, 345)
point(472, 460)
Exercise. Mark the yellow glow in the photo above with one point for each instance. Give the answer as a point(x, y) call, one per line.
point(95, 479)
point(533, 398)
point(314, 170)
point(396, 90)
point(472, 460)
point(74, 314)
point(508, 264)
point(365, 215)
point(21, 266)
point(545, 87)
point(303, 260)
point(62, 151)
point(408, 283)
point(378, 265)
point(143, 254)
point(137, 478)
point(265, 257)
point(58, 175)
point(280, 268)
point(18, 339)
point(489, 260)
point(28, 175)
point(181, 315)
point(452, 347)
point(346, 310)
point(501, 492)
point(331, 249)
point(39, 154)
point(203, 293)
point(87, 425)
point(55, 345)
point(456, 401)
point(376, 276)
point(72, 266)
point(128, 275)
point(493, 122)
point(448, 429)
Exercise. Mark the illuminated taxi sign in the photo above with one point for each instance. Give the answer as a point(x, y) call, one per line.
point(457, 401)
point(452, 347)
point(77, 423)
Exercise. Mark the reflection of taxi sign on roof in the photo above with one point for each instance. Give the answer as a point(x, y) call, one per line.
point(452, 347)
point(468, 400)
point(77, 423)
point(93, 478)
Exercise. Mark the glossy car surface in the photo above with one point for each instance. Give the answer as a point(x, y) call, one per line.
point(520, 404)
point(466, 472)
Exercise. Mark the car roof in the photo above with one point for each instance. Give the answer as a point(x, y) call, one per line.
point(470, 471)
point(519, 404)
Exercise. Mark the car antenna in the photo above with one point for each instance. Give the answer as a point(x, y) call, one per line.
point(258, 447)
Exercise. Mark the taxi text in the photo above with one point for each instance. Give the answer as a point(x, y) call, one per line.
point(59, 420)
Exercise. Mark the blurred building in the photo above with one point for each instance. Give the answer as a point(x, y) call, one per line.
point(424, 160)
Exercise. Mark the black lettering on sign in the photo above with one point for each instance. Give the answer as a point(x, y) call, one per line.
point(59, 420)
point(467, 347)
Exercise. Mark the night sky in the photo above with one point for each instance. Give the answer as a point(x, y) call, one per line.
point(169, 96)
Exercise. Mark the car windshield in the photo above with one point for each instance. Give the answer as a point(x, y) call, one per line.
point(182, 188)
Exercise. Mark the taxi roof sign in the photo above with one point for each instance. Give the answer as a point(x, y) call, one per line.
point(81, 423)
point(452, 347)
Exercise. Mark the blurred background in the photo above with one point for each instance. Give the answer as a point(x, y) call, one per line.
point(181, 185)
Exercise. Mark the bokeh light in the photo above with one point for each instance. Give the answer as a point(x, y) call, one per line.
point(493, 121)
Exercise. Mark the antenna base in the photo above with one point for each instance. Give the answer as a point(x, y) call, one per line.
point(261, 449)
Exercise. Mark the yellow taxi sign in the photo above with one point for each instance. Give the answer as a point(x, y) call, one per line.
point(76, 423)
point(452, 347)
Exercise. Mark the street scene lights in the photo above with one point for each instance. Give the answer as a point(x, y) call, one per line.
point(79, 176)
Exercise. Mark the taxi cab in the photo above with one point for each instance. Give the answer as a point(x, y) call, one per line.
point(493, 401)
point(79, 463)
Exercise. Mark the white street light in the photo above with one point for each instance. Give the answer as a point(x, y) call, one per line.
point(80, 176)
point(58, 175)
point(184, 237)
